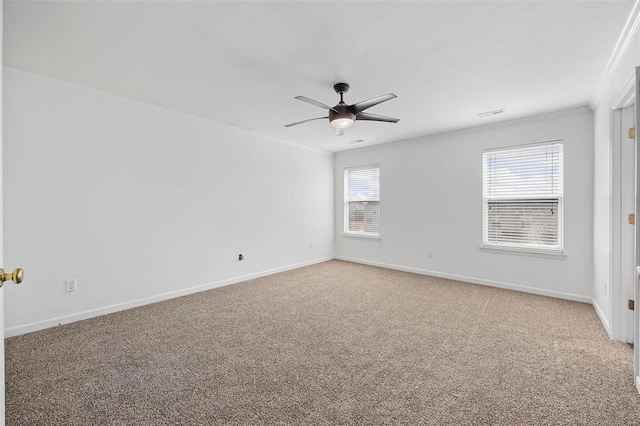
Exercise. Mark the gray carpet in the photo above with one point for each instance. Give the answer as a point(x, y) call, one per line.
point(333, 343)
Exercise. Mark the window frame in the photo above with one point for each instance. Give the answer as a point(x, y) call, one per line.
point(524, 248)
point(345, 222)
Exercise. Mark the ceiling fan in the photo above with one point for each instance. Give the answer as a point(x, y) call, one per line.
point(342, 115)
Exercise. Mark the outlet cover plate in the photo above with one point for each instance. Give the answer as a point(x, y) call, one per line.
point(70, 285)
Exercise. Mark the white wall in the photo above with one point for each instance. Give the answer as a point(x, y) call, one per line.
point(431, 199)
point(615, 82)
point(2, 386)
point(137, 201)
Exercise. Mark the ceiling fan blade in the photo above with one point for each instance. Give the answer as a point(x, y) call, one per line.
point(339, 132)
point(312, 102)
point(376, 117)
point(361, 106)
point(305, 121)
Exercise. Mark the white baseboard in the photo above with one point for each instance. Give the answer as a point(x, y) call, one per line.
point(603, 318)
point(66, 319)
point(472, 280)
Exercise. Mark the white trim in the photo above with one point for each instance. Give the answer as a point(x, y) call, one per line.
point(627, 95)
point(346, 194)
point(12, 69)
point(66, 319)
point(557, 145)
point(611, 225)
point(617, 223)
point(638, 383)
point(524, 146)
point(361, 236)
point(549, 254)
point(603, 318)
point(619, 51)
point(621, 324)
point(363, 167)
point(473, 280)
point(471, 130)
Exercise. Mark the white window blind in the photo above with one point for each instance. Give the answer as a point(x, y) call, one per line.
point(362, 200)
point(522, 197)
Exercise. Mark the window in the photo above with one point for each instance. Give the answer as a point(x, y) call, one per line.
point(522, 197)
point(362, 200)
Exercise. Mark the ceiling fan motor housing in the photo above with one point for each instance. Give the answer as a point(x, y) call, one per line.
point(341, 111)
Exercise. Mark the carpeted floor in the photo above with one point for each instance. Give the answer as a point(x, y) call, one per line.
point(334, 343)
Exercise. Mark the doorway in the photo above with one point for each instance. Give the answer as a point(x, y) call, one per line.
point(636, 316)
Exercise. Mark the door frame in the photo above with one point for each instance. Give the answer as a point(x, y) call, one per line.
point(623, 234)
point(618, 326)
point(628, 97)
point(636, 315)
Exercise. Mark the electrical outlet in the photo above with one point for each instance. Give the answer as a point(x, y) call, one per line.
point(241, 257)
point(70, 285)
point(311, 246)
point(430, 254)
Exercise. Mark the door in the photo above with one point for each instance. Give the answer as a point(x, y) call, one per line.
point(16, 275)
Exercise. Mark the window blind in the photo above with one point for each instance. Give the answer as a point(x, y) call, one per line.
point(362, 200)
point(522, 197)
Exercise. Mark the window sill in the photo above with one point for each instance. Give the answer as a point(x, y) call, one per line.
point(362, 236)
point(525, 252)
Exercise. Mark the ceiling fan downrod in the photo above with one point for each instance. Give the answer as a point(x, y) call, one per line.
point(341, 88)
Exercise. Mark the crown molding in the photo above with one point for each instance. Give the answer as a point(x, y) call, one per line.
point(470, 130)
point(627, 94)
point(9, 69)
point(619, 51)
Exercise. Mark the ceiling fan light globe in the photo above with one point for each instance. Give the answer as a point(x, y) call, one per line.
point(342, 122)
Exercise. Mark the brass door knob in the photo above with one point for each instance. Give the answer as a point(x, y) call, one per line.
point(16, 276)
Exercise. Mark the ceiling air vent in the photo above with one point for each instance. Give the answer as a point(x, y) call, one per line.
point(355, 141)
point(490, 113)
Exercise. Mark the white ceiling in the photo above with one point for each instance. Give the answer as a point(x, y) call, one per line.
point(242, 63)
